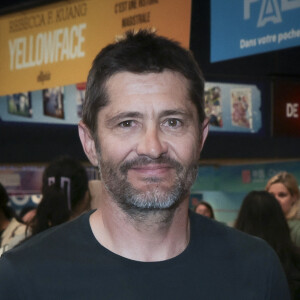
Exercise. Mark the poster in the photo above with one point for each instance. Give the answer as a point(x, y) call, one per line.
point(53, 102)
point(80, 95)
point(241, 107)
point(20, 104)
point(233, 107)
point(55, 44)
point(213, 105)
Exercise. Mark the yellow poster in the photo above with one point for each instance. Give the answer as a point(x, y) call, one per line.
point(55, 45)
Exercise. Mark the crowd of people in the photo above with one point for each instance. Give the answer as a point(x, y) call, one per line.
point(65, 195)
point(273, 215)
point(144, 126)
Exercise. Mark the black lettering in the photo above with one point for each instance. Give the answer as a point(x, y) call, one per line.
point(120, 7)
point(59, 15)
point(137, 19)
point(43, 76)
point(132, 4)
point(71, 12)
point(143, 3)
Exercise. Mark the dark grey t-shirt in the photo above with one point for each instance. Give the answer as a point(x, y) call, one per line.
point(67, 262)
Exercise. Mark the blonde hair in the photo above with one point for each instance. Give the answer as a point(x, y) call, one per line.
point(291, 184)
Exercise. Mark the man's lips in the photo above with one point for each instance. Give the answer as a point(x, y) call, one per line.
point(152, 169)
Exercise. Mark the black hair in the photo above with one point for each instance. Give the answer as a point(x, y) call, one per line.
point(140, 52)
point(261, 215)
point(65, 184)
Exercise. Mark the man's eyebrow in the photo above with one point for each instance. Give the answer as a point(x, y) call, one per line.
point(175, 112)
point(121, 116)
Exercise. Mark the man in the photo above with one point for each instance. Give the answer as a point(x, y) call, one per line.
point(144, 126)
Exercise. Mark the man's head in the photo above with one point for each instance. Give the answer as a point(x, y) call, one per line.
point(143, 121)
point(140, 53)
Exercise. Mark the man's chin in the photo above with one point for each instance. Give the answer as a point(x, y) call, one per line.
point(148, 205)
point(151, 184)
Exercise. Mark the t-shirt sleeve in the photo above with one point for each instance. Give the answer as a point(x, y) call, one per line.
point(278, 288)
point(9, 283)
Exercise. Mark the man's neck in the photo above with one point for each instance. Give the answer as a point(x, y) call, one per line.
point(150, 238)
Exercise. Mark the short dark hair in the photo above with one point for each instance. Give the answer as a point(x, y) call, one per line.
point(140, 52)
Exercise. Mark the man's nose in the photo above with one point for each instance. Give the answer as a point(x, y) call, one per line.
point(151, 143)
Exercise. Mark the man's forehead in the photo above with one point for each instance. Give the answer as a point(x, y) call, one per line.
point(146, 82)
point(158, 94)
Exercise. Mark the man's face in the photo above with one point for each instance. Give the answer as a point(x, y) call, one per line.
point(149, 140)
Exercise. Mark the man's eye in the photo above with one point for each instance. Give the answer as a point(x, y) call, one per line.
point(173, 123)
point(125, 124)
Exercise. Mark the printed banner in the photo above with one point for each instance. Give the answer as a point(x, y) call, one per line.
point(247, 27)
point(54, 45)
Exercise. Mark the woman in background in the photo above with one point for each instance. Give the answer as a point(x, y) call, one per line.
point(284, 187)
point(261, 215)
point(64, 194)
point(12, 232)
point(205, 209)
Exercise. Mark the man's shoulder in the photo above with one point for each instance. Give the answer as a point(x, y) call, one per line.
point(237, 257)
point(226, 239)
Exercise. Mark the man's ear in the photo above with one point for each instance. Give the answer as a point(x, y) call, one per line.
point(204, 132)
point(88, 143)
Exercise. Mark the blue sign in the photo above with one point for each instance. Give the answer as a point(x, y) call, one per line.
point(246, 27)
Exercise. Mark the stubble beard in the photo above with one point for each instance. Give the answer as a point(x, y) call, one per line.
point(157, 200)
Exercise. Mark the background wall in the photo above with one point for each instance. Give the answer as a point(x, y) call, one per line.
point(26, 143)
point(30, 143)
